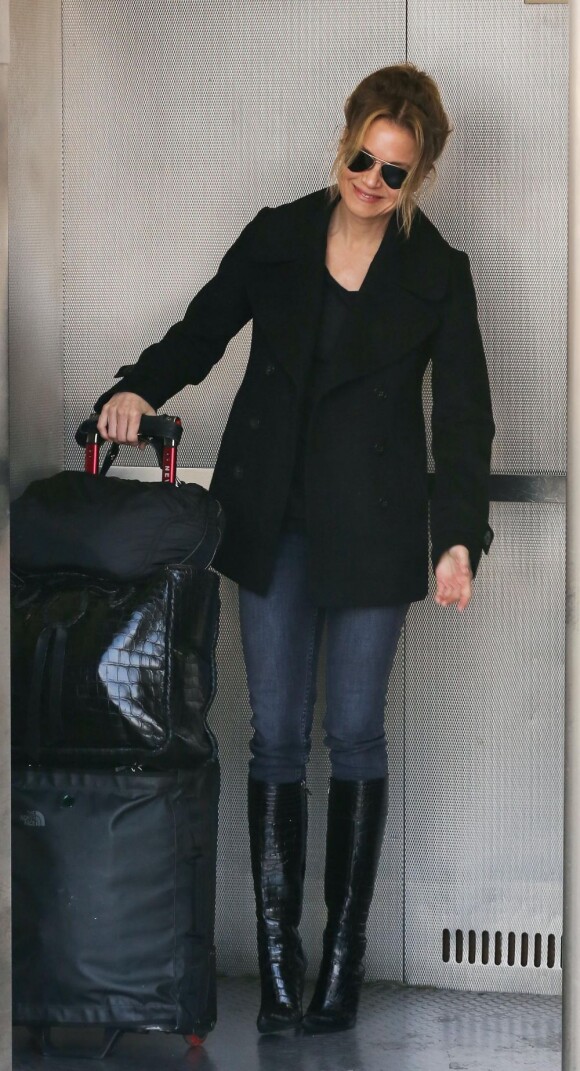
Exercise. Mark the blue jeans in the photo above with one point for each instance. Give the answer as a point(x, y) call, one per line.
point(281, 634)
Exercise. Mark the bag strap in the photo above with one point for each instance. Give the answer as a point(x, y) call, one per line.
point(109, 458)
point(113, 451)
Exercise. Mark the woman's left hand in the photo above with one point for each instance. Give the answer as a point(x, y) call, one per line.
point(454, 577)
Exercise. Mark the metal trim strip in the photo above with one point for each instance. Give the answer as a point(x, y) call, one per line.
point(504, 487)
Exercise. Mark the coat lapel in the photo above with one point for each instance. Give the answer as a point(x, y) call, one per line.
point(287, 285)
point(397, 307)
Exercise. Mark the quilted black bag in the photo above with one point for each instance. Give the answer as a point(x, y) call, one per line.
point(114, 673)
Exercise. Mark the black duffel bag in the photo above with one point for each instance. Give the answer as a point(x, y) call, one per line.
point(114, 901)
point(111, 527)
point(109, 673)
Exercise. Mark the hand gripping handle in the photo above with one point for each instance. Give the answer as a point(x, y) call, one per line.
point(163, 428)
point(163, 432)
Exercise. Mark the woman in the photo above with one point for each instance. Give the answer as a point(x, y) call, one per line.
point(322, 476)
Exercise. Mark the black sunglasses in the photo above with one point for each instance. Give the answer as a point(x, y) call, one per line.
point(391, 174)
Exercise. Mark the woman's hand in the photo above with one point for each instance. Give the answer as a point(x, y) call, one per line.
point(454, 577)
point(120, 417)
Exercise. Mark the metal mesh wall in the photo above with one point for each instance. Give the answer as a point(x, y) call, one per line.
point(35, 246)
point(501, 196)
point(484, 747)
point(484, 700)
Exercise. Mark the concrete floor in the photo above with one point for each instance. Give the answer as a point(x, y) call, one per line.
point(399, 1029)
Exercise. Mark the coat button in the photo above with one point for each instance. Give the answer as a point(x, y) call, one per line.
point(269, 369)
point(238, 472)
point(254, 422)
point(379, 447)
point(383, 503)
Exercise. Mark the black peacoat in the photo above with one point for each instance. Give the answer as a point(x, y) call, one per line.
point(366, 466)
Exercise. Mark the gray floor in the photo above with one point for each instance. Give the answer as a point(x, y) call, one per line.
point(399, 1029)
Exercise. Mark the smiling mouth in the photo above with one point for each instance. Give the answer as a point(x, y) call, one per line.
point(366, 196)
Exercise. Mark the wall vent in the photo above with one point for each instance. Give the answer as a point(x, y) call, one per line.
point(501, 949)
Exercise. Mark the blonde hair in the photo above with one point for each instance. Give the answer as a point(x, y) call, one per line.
point(410, 98)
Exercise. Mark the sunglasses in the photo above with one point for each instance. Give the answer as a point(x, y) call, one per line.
point(392, 175)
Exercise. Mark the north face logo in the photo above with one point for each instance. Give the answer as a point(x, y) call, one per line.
point(31, 818)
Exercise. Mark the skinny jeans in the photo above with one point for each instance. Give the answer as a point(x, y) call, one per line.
point(281, 633)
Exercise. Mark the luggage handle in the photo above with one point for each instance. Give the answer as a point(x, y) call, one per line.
point(163, 432)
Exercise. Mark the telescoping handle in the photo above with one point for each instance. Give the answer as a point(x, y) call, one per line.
point(163, 432)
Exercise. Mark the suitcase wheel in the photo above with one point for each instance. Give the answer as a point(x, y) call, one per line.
point(194, 1040)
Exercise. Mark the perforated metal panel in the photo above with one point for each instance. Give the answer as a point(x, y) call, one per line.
point(484, 752)
point(35, 242)
point(484, 698)
point(501, 196)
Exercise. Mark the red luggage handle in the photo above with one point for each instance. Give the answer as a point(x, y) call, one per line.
point(163, 432)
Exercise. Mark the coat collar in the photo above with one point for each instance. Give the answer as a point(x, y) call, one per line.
point(397, 306)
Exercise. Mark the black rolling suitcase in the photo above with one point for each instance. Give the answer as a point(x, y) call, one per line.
point(113, 900)
point(116, 774)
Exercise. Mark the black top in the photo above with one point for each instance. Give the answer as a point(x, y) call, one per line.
point(336, 306)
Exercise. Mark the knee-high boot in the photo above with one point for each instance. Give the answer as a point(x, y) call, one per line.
point(278, 823)
point(357, 813)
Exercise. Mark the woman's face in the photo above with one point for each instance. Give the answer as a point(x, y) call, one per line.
point(364, 193)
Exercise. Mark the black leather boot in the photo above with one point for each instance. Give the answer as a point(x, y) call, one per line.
point(278, 822)
point(357, 812)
